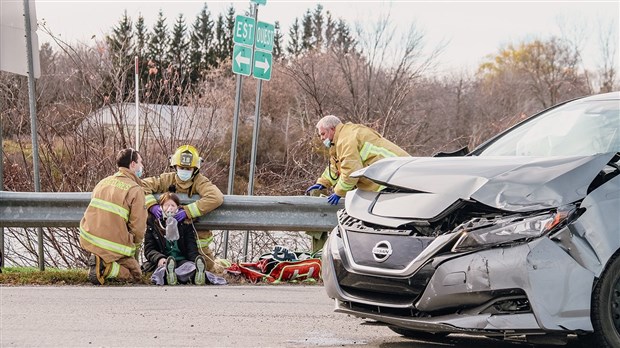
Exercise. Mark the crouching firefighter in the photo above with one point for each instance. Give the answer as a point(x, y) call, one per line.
point(114, 223)
point(186, 179)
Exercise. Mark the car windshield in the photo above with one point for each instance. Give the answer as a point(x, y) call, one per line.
point(574, 129)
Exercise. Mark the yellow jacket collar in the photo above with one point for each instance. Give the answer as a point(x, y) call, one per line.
point(128, 173)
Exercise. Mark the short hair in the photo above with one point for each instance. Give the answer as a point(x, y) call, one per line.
point(125, 156)
point(329, 121)
point(169, 196)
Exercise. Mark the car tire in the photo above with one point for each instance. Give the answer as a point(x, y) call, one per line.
point(417, 334)
point(605, 308)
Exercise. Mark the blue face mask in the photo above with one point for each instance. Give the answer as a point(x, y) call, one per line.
point(139, 172)
point(184, 174)
point(327, 143)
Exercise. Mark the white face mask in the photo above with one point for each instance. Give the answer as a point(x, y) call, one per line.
point(184, 174)
point(327, 143)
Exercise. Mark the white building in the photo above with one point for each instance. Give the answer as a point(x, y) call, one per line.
point(157, 122)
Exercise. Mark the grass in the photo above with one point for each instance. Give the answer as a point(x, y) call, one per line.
point(15, 276)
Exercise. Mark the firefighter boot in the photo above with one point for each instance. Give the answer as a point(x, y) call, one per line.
point(96, 270)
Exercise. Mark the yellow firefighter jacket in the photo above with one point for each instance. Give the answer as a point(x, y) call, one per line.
point(354, 147)
point(115, 220)
point(210, 196)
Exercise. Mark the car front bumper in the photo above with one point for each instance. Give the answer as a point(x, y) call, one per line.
point(472, 292)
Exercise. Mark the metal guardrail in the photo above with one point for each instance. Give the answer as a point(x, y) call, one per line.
point(268, 213)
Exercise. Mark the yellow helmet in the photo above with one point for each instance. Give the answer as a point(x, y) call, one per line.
point(186, 156)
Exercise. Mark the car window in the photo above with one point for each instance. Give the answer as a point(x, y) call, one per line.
point(574, 129)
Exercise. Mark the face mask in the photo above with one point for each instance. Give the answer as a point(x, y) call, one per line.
point(169, 213)
point(327, 143)
point(184, 174)
point(139, 172)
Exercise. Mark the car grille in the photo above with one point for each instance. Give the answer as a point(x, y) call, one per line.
point(363, 240)
point(386, 290)
point(405, 245)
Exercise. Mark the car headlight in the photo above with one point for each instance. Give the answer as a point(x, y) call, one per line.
point(482, 232)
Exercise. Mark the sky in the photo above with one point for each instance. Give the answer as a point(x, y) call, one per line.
point(471, 30)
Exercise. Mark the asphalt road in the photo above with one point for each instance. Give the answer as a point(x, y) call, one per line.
point(191, 316)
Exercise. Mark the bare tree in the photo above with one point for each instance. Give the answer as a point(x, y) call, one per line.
point(608, 44)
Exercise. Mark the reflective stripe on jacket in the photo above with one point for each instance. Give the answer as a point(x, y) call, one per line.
point(115, 220)
point(354, 147)
point(210, 196)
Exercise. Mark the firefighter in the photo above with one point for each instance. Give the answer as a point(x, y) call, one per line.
point(186, 179)
point(114, 223)
point(351, 147)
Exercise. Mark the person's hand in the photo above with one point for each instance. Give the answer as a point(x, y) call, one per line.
point(333, 199)
point(161, 262)
point(180, 215)
point(314, 187)
point(156, 211)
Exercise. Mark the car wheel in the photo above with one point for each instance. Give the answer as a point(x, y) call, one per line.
point(417, 334)
point(605, 311)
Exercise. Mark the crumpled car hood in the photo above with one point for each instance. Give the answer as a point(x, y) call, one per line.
point(516, 184)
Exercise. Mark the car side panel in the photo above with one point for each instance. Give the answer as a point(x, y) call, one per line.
point(557, 287)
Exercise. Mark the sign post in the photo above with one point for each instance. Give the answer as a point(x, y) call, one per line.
point(251, 56)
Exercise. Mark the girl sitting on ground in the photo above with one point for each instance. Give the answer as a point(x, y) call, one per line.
point(170, 247)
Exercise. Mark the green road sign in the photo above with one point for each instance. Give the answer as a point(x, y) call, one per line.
point(262, 65)
point(264, 36)
point(243, 32)
point(242, 59)
point(260, 2)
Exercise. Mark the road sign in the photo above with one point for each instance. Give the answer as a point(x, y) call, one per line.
point(262, 65)
point(260, 2)
point(264, 36)
point(242, 59)
point(243, 32)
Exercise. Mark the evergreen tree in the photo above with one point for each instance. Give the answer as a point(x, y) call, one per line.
point(157, 51)
point(277, 41)
point(158, 44)
point(202, 51)
point(330, 30)
point(344, 41)
point(317, 24)
point(121, 52)
point(178, 78)
point(220, 36)
point(230, 26)
point(120, 42)
point(307, 41)
point(294, 42)
point(178, 48)
point(142, 39)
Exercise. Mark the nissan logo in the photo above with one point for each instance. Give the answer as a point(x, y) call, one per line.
point(382, 251)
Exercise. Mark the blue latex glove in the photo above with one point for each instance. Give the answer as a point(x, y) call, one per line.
point(180, 215)
point(314, 187)
point(333, 199)
point(156, 211)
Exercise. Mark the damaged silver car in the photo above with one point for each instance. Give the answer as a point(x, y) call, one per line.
point(519, 238)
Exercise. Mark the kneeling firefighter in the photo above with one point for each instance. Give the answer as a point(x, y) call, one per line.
point(186, 179)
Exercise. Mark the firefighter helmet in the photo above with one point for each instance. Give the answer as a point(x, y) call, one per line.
point(186, 156)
